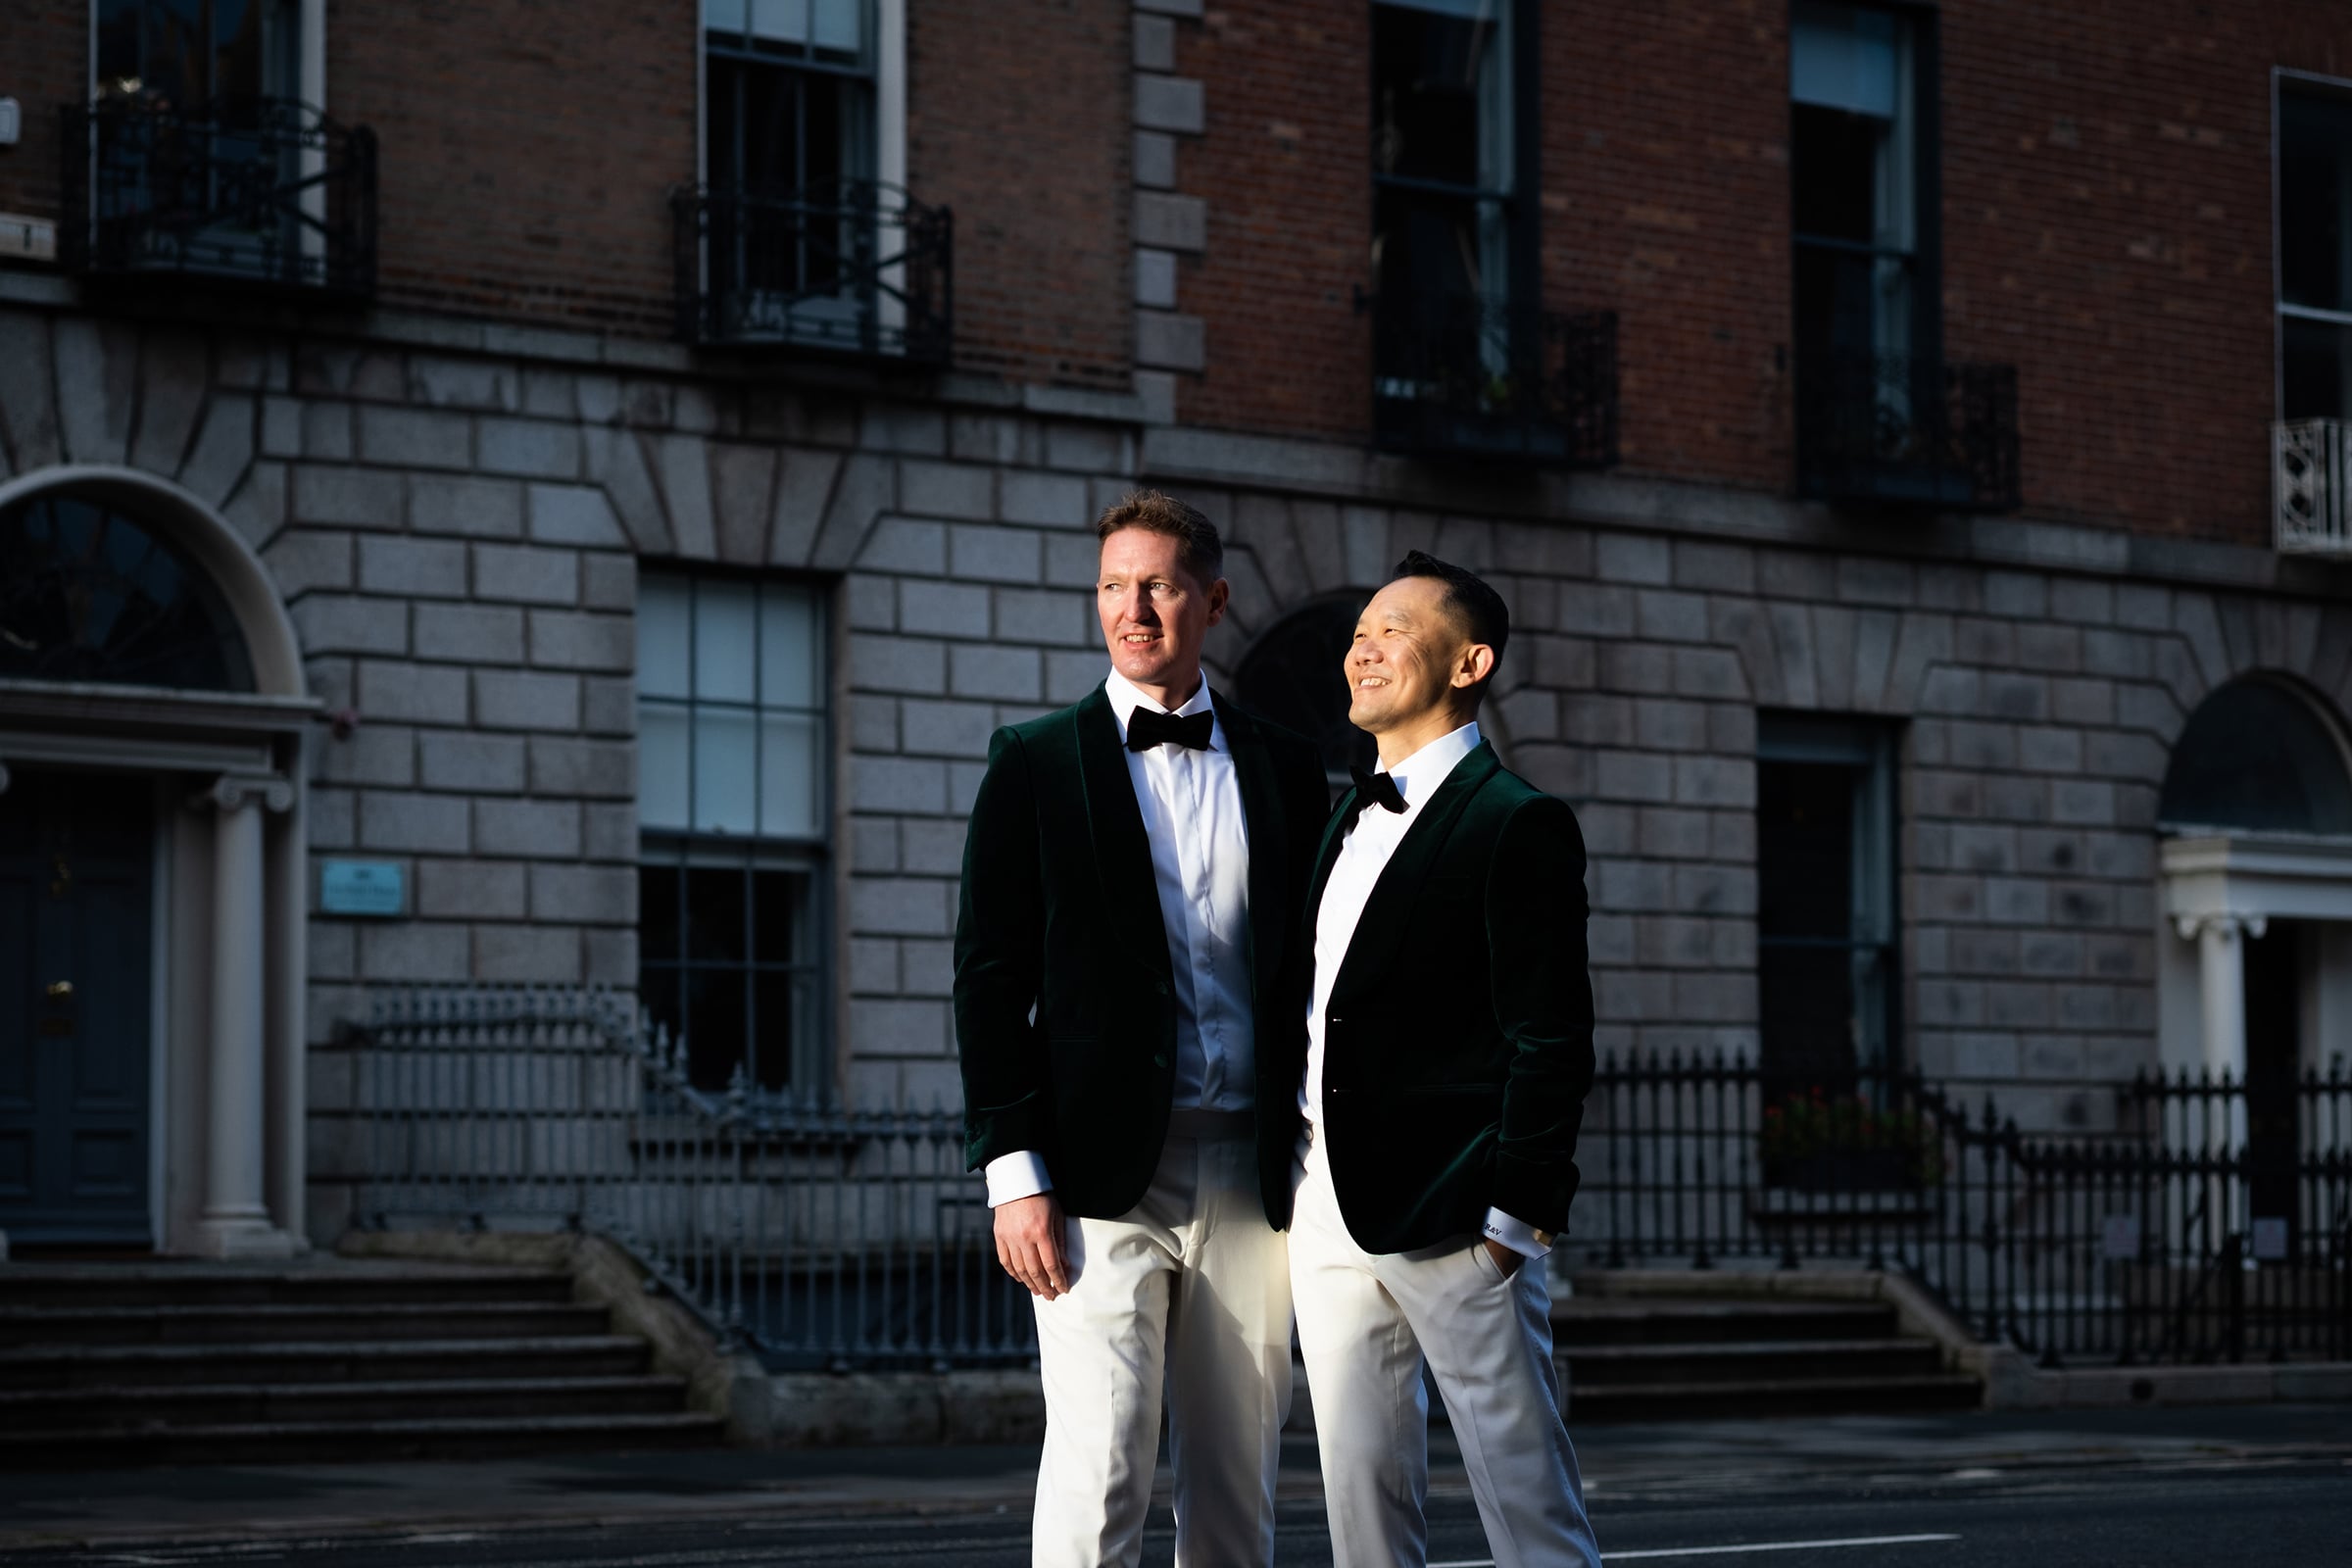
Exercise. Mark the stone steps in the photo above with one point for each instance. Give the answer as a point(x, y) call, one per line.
point(1658, 1357)
point(153, 1363)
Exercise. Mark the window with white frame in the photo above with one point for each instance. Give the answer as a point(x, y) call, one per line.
point(2315, 254)
point(1857, 162)
point(733, 759)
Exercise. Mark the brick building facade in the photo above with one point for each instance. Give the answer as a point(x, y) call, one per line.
point(483, 523)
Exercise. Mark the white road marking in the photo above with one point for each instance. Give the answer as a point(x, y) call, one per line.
point(1718, 1551)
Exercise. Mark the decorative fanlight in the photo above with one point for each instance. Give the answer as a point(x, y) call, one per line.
point(89, 593)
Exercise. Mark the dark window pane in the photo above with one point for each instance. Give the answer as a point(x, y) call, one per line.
point(2316, 366)
point(658, 914)
point(778, 900)
point(2255, 757)
point(776, 1027)
point(89, 593)
point(1427, 75)
point(658, 992)
point(716, 1038)
point(2314, 191)
point(715, 914)
point(1804, 850)
point(1806, 998)
point(1833, 164)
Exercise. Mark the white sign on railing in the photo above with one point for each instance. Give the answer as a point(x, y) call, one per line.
point(2311, 470)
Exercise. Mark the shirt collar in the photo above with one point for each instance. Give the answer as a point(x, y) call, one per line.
point(1126, 697)
point(1419, 775)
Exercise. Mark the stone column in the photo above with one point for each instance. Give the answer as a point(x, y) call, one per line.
point(2222, 995)
point(235, 1221)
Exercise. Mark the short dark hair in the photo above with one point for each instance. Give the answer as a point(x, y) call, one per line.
point(1199, 550)
point(1481, 610)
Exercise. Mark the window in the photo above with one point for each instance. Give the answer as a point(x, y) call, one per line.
point(1447, 205)
point(2257, 757)
point(2315, 256)
point(731, 802)
point(192, 54)
point(788, 94)
point(89, 593)
point(1827, 959)
point(1865, 285)
point(800, 234)
point(203, 152)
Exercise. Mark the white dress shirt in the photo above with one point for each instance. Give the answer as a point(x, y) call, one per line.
point(1363, 855)
point(1192, 808)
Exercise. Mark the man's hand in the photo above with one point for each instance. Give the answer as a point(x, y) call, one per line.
point(1506, 1258)
point(1029, 1232)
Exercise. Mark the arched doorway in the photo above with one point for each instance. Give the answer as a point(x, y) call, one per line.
point(152, 722)
point(2256, 813)
point(1292, 675)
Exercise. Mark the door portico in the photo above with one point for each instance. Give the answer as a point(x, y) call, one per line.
point(151, 670)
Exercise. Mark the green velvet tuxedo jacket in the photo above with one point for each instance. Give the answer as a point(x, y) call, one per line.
point(1457, 1046)
point(1065, 1007)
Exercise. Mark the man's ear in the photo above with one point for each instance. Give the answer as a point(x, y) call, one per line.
point(1219, 592)
point(1474, 666)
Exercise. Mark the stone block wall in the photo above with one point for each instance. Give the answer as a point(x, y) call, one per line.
point(2036, 709)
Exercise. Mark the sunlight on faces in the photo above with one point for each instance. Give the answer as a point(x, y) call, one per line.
point(1412, 666)
point(1154, 614)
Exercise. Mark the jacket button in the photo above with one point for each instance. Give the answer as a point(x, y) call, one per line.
point(1160, 1059)
point(1162, 988)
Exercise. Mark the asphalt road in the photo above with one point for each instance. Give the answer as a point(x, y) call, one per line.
point(2277, 1512)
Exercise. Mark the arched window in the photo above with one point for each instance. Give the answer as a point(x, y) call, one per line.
point(1292, 675)
point(2256, 755)
point(89, 593)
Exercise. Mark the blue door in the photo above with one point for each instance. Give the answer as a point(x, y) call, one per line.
point(76, 869)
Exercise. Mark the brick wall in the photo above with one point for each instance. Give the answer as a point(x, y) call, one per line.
point(527, 148)
point(2106, 180)
point(44, 62)
point(1018, 120)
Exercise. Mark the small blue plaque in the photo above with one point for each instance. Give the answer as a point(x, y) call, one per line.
point(362, 887)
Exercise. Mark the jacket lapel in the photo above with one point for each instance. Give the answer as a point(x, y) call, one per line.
point(1261, 813)
point(1390, 909)
point(1122, 851)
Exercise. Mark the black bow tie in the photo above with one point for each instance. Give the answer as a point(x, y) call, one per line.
point(1146, 728)
point(1378, 789)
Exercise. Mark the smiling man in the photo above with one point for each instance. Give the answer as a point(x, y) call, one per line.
point(1130, 985)
point(1449, 1050)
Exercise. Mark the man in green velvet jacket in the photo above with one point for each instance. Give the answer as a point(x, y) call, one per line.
point(1129, 1010)
point(1449, 1053)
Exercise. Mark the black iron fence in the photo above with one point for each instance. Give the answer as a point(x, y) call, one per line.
point(2178, 1240)
point(1907, 431)
point(812, 1234)
point(852, 268)
point(1480, 378)
point(257, 190)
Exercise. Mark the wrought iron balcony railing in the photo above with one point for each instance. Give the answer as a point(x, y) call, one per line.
point(259, 190)
point(1907, 431)
point(1480, 379)
point(2310, 486)
point(853, 267)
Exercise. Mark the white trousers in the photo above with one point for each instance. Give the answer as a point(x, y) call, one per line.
point(1191, 1290)
point(1365, 1323)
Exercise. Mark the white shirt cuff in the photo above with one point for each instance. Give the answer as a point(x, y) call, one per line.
point(1516, 1234)
point(1019, 1174)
